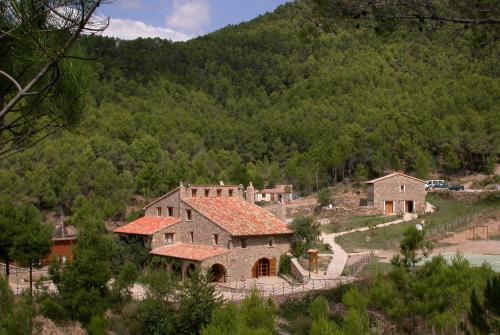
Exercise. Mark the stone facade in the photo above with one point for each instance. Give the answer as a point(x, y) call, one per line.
point(243, 252)
point(397, 193)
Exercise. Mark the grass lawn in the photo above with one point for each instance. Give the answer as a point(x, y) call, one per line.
point(353, 222)
point(323, 248)
point(375, 267)
point(447, 211)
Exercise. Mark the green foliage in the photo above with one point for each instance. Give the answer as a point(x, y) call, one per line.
point(324, 327)
point(82, 285)
point(15, 312)
point(197, 301)
point(324, 197)
point(98, 325)
point(254, 317)
point(294, 106)
point(413, 244)
point(477, 314)
point(257, 313)
point(422, 166)
point(284, 265)
point(319, 309)
point(32, 241)
point(305, 233)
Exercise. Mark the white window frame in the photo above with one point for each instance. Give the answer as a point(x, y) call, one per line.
point(166, 239)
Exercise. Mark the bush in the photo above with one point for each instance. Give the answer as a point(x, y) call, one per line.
point(284, 265)
point(306, 233)
point(324, 197)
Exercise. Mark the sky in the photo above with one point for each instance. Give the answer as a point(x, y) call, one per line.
point(179, 20)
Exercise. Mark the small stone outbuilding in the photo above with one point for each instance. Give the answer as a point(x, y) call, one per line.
point(212, 227)
point(397, 193)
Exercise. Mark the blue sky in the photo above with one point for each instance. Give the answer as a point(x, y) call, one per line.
point(179, 20)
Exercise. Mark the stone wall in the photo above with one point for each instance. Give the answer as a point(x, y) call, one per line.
point(339, 212)
point(463, 196)
point(171, 199)
point(240, 261)
point(390, 190)
point(297, 271)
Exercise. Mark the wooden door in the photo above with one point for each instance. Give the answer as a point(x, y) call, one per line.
point(272, 267)
point(263, 267)
point(389, 207)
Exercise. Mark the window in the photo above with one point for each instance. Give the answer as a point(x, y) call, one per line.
point(402, 188)
point(170, 211)
point(271, 242)
point(188, 214)
point(219, 192)
point(169, 238)
point(192, 236)
point(243, 242)
point(158, 211)
point(216, 239)
point(193, 192)
point(230, 193)
point(207, 192)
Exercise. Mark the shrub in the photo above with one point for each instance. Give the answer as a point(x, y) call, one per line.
point(324, 197)
point(284, 265)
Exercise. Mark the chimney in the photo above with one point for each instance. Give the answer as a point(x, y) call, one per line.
point(250, 194)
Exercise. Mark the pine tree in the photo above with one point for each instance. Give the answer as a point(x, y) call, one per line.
point(477, 314)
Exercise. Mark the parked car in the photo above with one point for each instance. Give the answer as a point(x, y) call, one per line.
point(430, 183)
point(456, 187)
point(440, 186)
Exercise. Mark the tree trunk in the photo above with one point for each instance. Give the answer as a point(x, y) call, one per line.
point(31, 279)
point(317, 182)
point(334, 176)
point(7, 269)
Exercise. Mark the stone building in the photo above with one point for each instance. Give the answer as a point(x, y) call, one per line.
point(280, 193)
point(212, 227)
point(397, 193)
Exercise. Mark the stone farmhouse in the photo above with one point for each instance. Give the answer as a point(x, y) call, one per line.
point(212, 228)
point(280, 193)
point(397, 193)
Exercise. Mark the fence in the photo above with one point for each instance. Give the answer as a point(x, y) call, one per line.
point(434, 230)
point(19, 277)
point(355, 269)
point(239, 290)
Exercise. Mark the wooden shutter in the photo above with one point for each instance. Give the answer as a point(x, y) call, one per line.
point(272, 267)
point(254, 270)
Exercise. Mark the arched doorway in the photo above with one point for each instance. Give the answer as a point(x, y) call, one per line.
point(218, 272)
point(190, 269)
point(261, 268)
point(176, 271)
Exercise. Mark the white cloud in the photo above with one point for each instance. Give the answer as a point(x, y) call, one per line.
point(189, 16)
point(131, 29)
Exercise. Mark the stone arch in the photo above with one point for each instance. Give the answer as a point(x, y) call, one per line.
point(190, 269)
point(176, 270)
point(219, 273)
point(261, 268)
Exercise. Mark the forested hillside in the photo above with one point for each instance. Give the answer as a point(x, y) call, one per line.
point(266, 101)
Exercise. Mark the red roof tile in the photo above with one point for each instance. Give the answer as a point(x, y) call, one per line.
point(147, 225)
point(238, 217)
point(195, 252)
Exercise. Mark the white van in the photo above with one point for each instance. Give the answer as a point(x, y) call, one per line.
point(433, 182)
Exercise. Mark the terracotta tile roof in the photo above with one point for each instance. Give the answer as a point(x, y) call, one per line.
point(393, 175)
point(195, 252)
point(238, 217)
point(147, 225)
